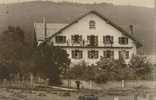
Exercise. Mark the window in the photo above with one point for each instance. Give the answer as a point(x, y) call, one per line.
point(123, 40)
point(76, 38)
point(109, 54)
point(108, 39)
point(77, 54)
point(93, 54)
point(124, 54)
point(60, 39)
point(127, 55)
point(92, 24)
point(93, 40)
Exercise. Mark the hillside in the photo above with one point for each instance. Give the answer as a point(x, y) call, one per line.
point(24, 14)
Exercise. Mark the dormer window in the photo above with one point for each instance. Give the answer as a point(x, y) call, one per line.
point(92, 24)
point(123, 40)
point(108, 39)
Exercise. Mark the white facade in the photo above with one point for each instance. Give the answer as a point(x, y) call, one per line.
point(101, 28)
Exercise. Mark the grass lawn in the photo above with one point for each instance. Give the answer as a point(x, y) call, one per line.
point(14, 94)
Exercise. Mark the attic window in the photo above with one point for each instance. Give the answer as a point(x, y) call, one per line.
point(92, 24)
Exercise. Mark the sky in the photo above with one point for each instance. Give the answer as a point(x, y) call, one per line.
point(142, 3)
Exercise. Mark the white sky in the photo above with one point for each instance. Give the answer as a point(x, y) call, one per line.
point(144, 3)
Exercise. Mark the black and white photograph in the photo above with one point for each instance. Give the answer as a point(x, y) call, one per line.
point(77, 50)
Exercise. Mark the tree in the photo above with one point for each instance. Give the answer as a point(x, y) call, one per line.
point(111, 69)
point(82, 71)
point(108, 69)
point(13, 50)
point(50, 62)
point(141, 66)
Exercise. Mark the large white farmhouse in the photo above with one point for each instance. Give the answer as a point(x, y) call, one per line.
point(88, 38)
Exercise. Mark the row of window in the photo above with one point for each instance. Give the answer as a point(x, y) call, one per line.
point(92, 39)
point(94, 54)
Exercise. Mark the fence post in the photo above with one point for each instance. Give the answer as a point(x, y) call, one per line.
point(31, 80)
point(135, 97)
point(90, 86)
point(116, 98)
point(123, 84)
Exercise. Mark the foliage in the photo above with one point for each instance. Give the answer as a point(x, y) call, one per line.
point(82, 71)
point(50, 62)
point(17, 58)
point(13, 51)
point(110, 69)
point(141, 66)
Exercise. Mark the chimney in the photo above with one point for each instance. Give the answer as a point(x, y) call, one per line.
point(45, 28)
point(131, 29)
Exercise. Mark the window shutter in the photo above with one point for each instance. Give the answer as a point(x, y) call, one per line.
point(96, 54)
point(89, 54)
point(119, 40)
point(120, 54)
point(88, 38)
point(105, 54)
point(104, 39)
point(64, 39)
point(126, 40)
point(80, 37)
point(112, 54)
point(112, 39)
point(56, 39)
point(72, 38)
point(73, 56)
point(96, 40)
point(127, 54)
point(81, 54)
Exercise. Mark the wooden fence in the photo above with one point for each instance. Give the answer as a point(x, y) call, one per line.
point(111, 84)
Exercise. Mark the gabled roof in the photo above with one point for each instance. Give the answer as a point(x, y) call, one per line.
point(138, 44)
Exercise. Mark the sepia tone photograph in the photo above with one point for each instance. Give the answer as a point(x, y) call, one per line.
point(77, 50)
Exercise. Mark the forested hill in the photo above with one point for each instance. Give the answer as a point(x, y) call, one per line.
point(24, 14)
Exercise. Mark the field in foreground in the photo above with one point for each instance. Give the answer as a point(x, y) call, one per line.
point(14, 94)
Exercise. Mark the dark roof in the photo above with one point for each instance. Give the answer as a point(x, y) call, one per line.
point(138, 44)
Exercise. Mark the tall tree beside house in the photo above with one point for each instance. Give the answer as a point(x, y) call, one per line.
point(13, 50)
point(50, 62)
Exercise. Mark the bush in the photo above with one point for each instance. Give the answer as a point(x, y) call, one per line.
point(82, 71)
point(141, 66)
point(111, 69)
